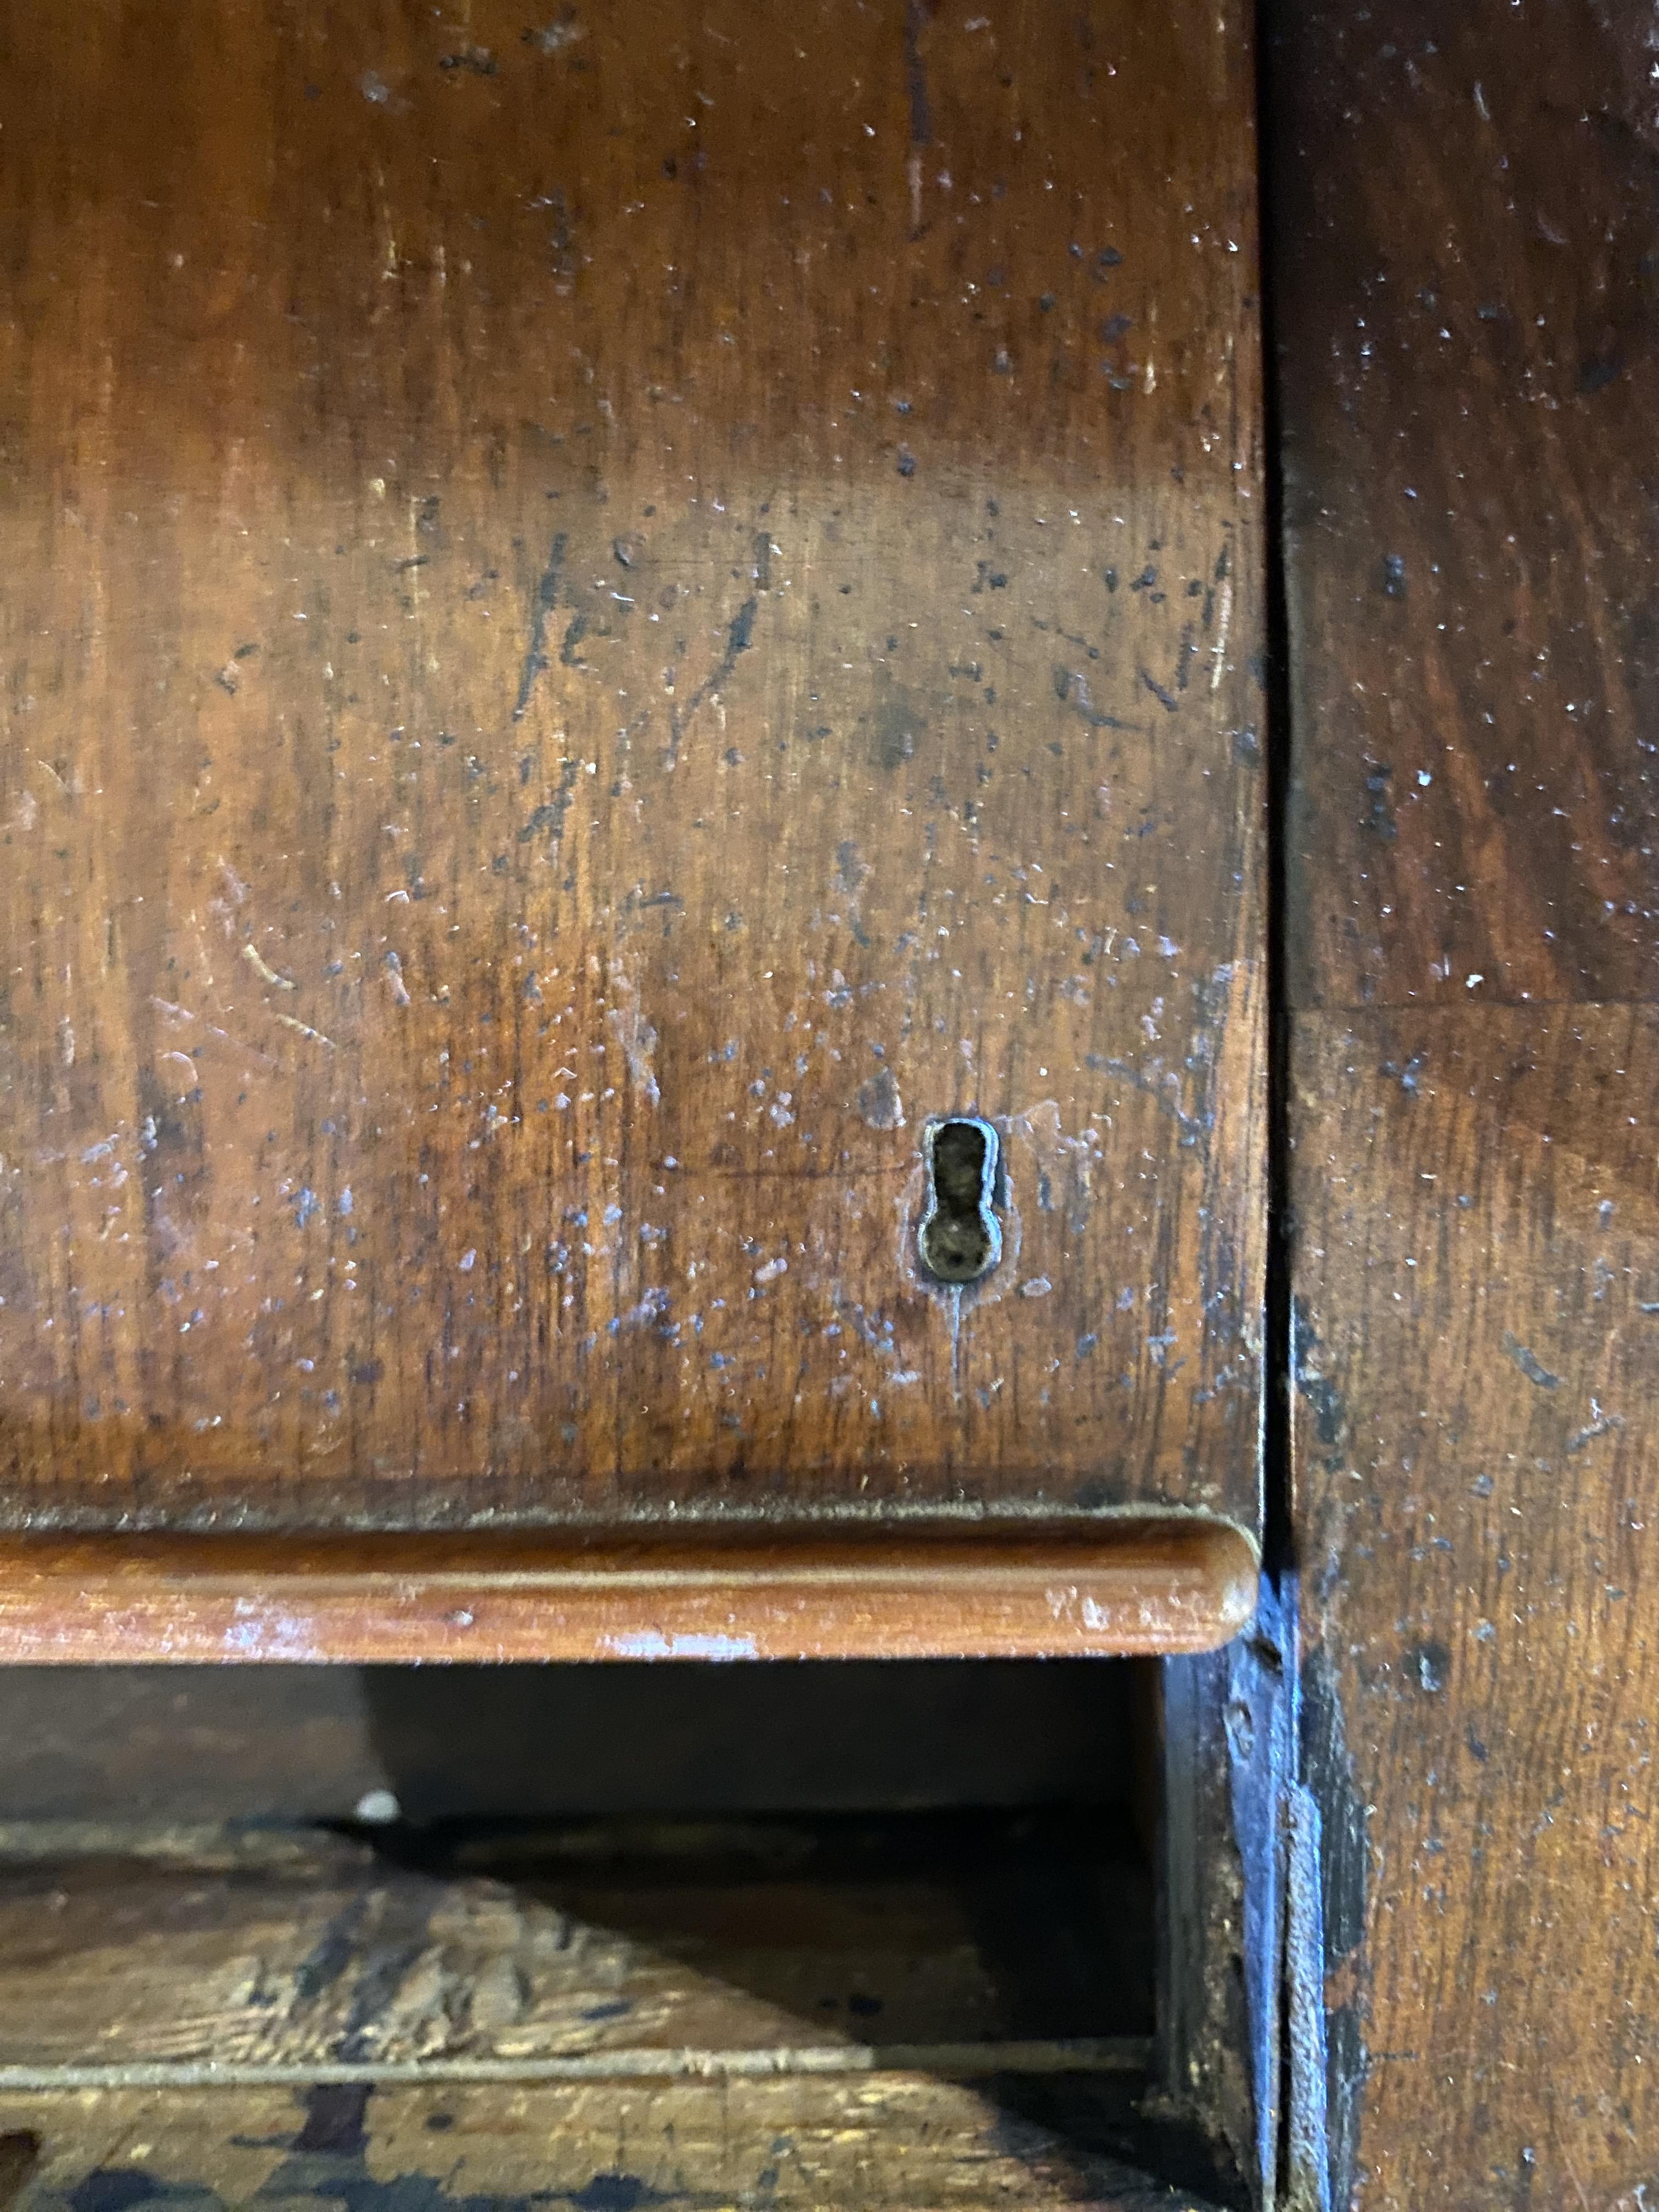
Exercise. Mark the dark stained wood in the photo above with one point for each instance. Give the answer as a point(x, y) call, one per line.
point(1463, 226)
point(1205, 2053)
point(1464, 302)
point(604, 621)
point(1477, 1417)
point(310, 1743)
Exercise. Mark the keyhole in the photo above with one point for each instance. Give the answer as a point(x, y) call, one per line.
point(959, 1239)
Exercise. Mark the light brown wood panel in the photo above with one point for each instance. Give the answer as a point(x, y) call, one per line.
point(1139, 1587)
point(604, 620)
point(590, 1951)
point(887, 2143)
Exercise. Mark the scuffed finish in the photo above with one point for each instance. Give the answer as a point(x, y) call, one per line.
point(601, 623)
point(1136, 1586)
point(1464, 236)
point(1480, 1586)
point(800, 2145)
point(1469, 398)
point(603, 2016)
point(590, 1954)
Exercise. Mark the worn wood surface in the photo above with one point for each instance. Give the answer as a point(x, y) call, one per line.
point(890, 2142)
point(1134, 1587)
point(990, 1942)
point(604, 620)
point(1478, 1387)
point(607, 2015)
point(1468, 366)
point(1464, 228)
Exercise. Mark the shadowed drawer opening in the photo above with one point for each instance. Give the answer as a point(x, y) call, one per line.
point(938, 1882)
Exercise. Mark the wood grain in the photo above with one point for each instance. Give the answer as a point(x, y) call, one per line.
point(1468, 379)
point(1136, 1588)
point(1477, 1407)
point(603, 619)
point(590, 1950)
point(1464, 222)
point(888, 2142)
point(944, 2011)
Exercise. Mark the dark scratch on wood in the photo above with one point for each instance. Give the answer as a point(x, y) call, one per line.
point(1165, 699)
point(1529, 1364)
point(549, 815)
point(740, 635)
point(547, 598)
point(1072, 689)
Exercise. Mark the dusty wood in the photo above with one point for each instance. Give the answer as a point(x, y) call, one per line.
point(1464, 232)
point(1469, 378)
point(1161, 1588)
point(876, 2014)
point(897, 2141)
point(603, 620)
point(1478, 1414)
point(598, 1952)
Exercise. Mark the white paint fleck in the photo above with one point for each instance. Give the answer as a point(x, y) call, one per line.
point(637, 1037)
point(554, 38)
point(261, 1631)
point(1224, 624)
point(651, 1643)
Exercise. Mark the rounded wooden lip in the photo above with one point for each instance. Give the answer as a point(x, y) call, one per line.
point(1132, 1587)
